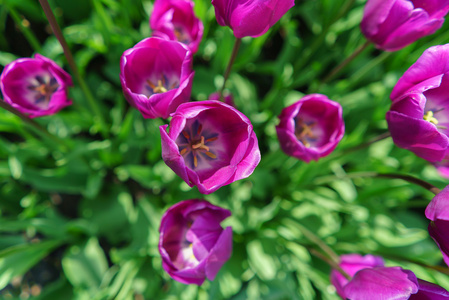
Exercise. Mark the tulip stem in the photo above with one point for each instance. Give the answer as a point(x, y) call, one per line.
point(33, 124)
point(235, 50)
point(319, 242)
point(330, 262)
point(344, 63)
point(68, 54)
point(408, 178)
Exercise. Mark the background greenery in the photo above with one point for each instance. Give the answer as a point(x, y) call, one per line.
point(82, 222)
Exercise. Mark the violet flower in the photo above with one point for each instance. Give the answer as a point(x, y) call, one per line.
point(210, 144)
point(394, 24)
point(438, 213)
point(351, 264)
point(419, 115)
point(227, 98)
point(156, 76)
point(310, 128)
point(250, 17)
point(372, 281)
point(175, 20)
point(192, 244)
point(35, 86)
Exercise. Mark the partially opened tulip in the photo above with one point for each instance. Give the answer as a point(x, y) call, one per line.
point(250, 17)
point(210, 144)
point(438, 213)
point(394, 24)
point(35, 86)
point(371, 280)
point(418, 119)
point(192, 243)
point(310, 128)
point(156, 76)
point(175, 20)
point(351, 264)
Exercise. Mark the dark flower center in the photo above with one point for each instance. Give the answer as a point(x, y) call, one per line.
point(304, 131)
point(194, 144)
point(161, 85)
point(43, 88)
point(182, 35)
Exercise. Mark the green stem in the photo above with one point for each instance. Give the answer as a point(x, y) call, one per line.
point(364, 145)
point(68, 54)
point(407, 178)
point(359, 74)
point(330, 262)
point(29, 35)
point(41, 130)
point(316, 240)
point(344, 63)
point(235, 51)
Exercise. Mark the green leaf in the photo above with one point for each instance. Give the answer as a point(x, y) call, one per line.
point(16, 260)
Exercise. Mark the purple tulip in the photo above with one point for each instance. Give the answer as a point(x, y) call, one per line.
point(438, 213)
point(192, 244)
point(394, 24)
point(156, 76)
point(310, 128)
point(175, 20)
point(210, 144)
point(35, 86)
point(351, 264)
point(250, 18)
point(371, 280)
point(419, 115)
point(381, 283)
point(227, 98)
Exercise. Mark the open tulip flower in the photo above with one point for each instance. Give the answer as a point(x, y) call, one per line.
point(250, 17)
point(419, 115)
point(371, 280)
point(35, 86)
point(175, 20)
point(310, 128)
point(438, 213)
point(210, 144)
point(192, 243)
point(156, 76)
point(394, 24)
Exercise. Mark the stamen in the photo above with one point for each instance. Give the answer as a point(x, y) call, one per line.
point(195, 160)
point(200, 128)
point(211, 155)
point(212, 139)
point(429, 117)
point(185, 134)
point(183, 151)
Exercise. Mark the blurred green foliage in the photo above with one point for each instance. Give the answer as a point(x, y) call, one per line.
point(88, 218)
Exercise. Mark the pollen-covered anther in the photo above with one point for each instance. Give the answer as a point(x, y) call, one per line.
point(159, 88)
point(428, 116)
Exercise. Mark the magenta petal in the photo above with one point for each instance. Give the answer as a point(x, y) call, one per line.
point(351, 264)
point(192, 243)
point(418, 136)
point(381, 283)
point(219, 254)
point(210, 144)
point(250, 18)
point(175, 20)
point(35, 86)
point(394, 24)
point(311, 128)
point(429, 291)
point(429, 68)
point(156, 76)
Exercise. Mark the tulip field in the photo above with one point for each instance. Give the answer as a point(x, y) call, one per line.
point(224, 149)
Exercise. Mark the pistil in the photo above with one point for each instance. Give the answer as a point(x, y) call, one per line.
point(197, 145)
point(428, 116)
point(304, 132)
